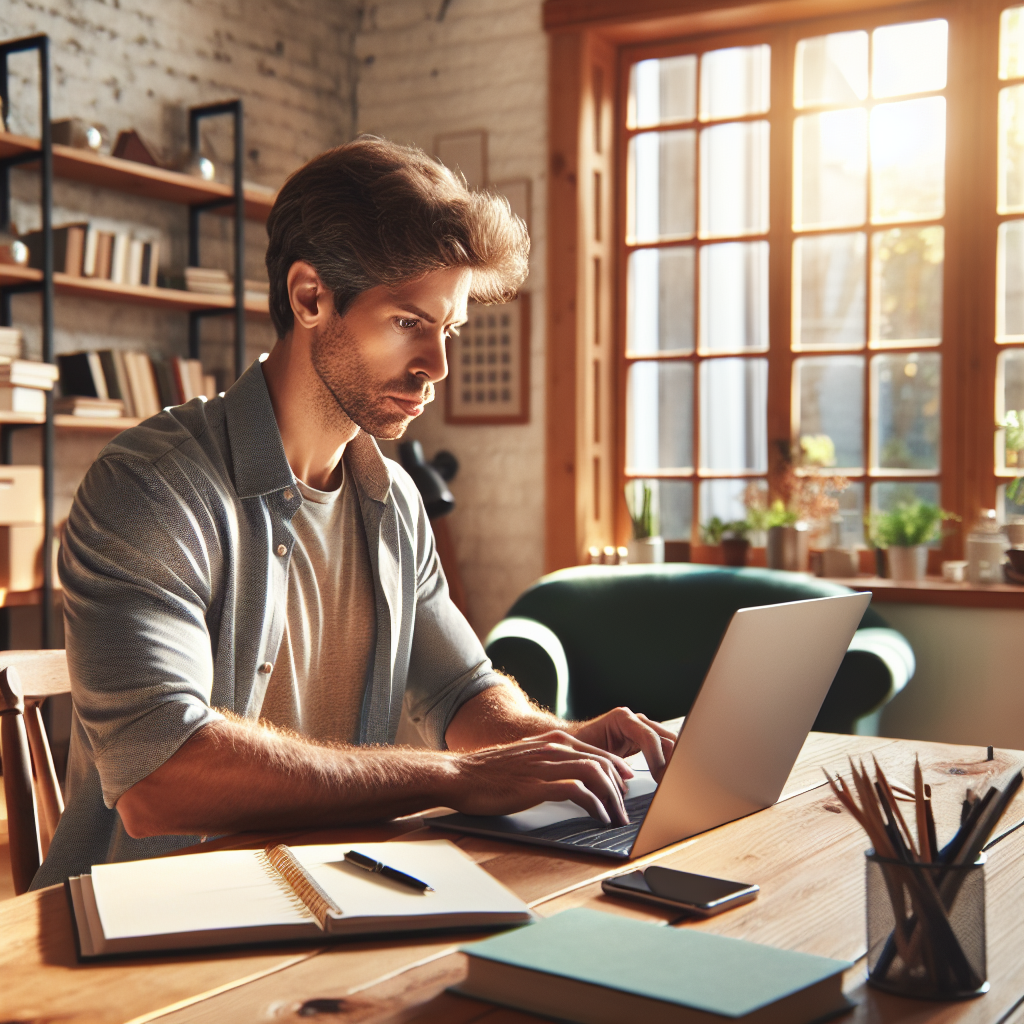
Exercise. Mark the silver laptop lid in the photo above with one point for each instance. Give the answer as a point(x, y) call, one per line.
point(754, 710)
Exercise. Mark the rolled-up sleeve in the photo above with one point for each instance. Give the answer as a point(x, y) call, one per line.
point(137, 568)
point(448, 665)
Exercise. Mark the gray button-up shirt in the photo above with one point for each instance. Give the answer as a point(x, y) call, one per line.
point(175, 567)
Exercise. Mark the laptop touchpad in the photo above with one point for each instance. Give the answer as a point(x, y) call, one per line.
point(551, 811)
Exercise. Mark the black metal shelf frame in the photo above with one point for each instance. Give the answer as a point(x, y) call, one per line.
point(45, 287)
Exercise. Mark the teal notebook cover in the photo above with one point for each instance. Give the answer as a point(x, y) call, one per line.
point(730, 977)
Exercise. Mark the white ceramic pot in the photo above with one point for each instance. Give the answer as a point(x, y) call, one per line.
point(908, 563)
point(647, 551)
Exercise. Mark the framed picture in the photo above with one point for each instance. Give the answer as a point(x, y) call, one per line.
point(489, 365)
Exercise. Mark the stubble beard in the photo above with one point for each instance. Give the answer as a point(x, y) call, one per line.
point(352, 390)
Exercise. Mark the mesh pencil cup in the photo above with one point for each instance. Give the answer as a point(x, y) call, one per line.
point(926, 928)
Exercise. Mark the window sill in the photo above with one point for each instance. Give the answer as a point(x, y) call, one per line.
point(935, 590)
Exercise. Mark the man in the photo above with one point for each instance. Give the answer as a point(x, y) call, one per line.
point(252, 593)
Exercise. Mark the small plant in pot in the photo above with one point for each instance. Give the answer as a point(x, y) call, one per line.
point(735, 543)
point(905, 531)
point(641, 500)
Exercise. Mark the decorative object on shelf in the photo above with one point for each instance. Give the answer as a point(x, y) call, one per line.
point(736, 543)
point(925, 904)
point(646, 545)
point(905, 531)
point(79, 134)
point(432, 484)
point(129, 146)
point(789, 547)
point(14, 253)
point(489, 358)
point(1013, 569)
point(839, 563)
point(1014, 534)
point(954, 570)
point(985, 546)
point(199, 167)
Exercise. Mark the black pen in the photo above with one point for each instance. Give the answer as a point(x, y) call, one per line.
point(360, 860)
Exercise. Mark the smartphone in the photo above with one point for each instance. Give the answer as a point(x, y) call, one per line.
point(696, 894)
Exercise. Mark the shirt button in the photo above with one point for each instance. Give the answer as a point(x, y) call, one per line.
point(288, 494)
point(282, 550)
point(267, 667)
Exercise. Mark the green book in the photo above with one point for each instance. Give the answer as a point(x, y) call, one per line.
point(597, 968)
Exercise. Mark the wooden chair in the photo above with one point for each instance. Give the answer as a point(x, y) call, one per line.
point(27, 678)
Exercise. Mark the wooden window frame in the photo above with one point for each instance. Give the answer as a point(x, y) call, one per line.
point(585, 507)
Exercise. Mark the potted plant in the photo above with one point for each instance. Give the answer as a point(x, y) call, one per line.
point(646, 546)
point(735, 543)
point(905, 532)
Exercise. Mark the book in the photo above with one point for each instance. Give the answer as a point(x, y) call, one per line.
point(104, 252)
point(68, 249)
point(92, 236)
point(94, 408)
point(133, 275)
point(304, 892)
point(142, 383)
point(150, 261)
point(27, 373)
point(119, 257)
point(166, 385)
point(81, 373)
point(11, 344)
point(19, 399)
point(596, 968)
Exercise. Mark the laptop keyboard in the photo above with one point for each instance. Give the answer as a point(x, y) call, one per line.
point(614, 838)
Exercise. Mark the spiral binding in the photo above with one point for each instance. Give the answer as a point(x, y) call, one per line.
point(301, 888)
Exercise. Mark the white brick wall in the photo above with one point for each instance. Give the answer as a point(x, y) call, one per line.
point(484, 66)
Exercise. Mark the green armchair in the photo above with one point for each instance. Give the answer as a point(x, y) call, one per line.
point(581, 641)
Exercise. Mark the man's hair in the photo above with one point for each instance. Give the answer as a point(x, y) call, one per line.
point(372, 212)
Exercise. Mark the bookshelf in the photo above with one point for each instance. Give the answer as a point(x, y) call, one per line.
point(237, 201)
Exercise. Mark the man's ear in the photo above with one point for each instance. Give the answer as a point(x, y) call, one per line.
point(311, 301)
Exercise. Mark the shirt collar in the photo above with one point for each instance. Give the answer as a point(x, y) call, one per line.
point(257, 452)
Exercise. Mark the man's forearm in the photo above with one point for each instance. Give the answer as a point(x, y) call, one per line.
point(500, 714)
point(234, 776)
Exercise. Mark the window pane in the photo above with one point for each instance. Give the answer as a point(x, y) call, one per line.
point(885, 497)
point(851, 508)
point(735, 82)
point(672, 501)
point(828, 281)
point(734, 179)
point(1010, 282)
point(663, 90)
point(1010, 403)
point(1010, 509)
point(733, 414)
point(830, 156)
point(908, 160)
point(734, 297)
point(831, 69)
point(909, 58)
point(905, 410)
point(1011, 43)
point(830, 406)
point(907, 272)
point(722, 498)
point(1011, 149)
point(659, 414)
point(660, 301)
point(662, 197)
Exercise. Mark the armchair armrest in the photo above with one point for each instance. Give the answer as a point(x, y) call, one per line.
point(895, 653)
point(533, 655)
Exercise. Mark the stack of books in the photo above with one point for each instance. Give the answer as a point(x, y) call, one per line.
point(114, 383)
point(23, 382)
point(212, 281)
point(83, 250)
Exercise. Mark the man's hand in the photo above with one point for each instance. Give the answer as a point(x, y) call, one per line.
point(621, 732)
point(552, 766)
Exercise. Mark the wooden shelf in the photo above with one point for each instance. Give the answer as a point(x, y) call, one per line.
point(65, 421)
point(138, 294)
point(22, 598)
point(935, 590)
point(139, 179)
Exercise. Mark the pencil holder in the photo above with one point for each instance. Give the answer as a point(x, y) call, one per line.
point(926, 928)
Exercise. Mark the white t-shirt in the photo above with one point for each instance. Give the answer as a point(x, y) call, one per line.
point(319, 679)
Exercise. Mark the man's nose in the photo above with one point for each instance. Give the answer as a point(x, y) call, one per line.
point(431, 361)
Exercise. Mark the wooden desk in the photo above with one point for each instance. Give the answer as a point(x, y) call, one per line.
point(805, 852)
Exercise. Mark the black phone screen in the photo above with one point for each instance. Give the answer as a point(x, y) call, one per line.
point(680, 886)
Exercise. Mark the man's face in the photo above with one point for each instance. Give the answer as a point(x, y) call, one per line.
point(380, 360)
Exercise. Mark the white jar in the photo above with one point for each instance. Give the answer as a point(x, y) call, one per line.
point(985, 550)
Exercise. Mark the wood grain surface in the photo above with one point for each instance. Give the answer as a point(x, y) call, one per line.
point(806, 853)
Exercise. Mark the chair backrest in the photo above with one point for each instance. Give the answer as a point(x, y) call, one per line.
point(27, 678)
point(646, 634)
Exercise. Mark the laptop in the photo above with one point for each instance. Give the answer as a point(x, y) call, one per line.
point(736, 747)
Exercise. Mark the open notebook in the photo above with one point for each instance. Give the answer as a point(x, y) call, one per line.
point(304, 892)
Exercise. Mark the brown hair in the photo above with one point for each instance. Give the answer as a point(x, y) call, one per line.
point(372, 212)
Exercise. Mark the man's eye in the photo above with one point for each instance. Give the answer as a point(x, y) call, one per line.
point(406, 323)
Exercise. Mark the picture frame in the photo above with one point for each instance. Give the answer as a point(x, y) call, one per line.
point(489, 365)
